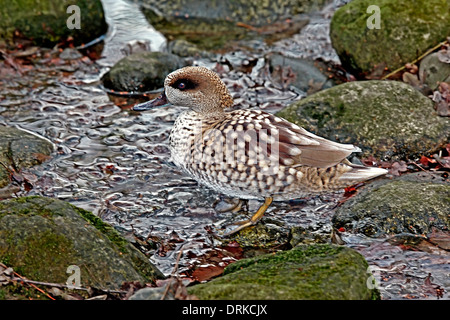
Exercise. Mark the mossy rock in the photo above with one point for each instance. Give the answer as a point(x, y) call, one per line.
point(387, 119)
point(20, 149)
point(46, 21)
point(41, 237)
point(414, 204)
point(141, 72)
point(320, 271)
point(407, 30)
point(211, 24)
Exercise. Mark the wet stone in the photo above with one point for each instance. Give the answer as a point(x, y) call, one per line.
point(41, 237)
point(302, 73)
point(141, 72)
point(415, 204)
point(20, 149)
point(265, 235)
point(320, 271)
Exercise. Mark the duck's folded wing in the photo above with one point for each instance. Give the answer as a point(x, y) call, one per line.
point(252, 134)
point(312, 150)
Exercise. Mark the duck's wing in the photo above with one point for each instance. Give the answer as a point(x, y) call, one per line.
point(259, 134)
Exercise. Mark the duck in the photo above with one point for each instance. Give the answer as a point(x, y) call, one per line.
point(249, 154)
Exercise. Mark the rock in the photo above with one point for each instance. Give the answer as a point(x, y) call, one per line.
point(265, 235)
point(301, 73)
point(433, 71)
point(407, 29)
point(211, 24)
point(70, 54)
point(20, 149)
point(415, 203)
point(386, 119)
point(41, 237)
point(320, 271)
point(185, 49)
point(47, 22)
point(152, 294)
point(141, 72)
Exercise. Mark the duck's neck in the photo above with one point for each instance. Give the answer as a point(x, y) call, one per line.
point(212, 115)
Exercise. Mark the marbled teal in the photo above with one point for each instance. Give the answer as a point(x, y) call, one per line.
point(249, 154)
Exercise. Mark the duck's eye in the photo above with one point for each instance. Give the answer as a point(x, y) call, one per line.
point(184, 84)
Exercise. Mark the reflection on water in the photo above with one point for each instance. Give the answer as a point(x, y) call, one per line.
point(115, 162)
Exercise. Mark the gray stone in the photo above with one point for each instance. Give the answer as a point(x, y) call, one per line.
point(415, 203)
point(20, 149)
point(141, 72)
point(306, 75)
point(432, 71)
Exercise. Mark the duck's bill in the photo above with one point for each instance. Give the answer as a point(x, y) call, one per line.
point(161, 101)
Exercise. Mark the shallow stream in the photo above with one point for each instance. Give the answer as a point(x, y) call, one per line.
point(115, 162)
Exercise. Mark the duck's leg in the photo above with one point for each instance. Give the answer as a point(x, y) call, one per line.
point(254, 219)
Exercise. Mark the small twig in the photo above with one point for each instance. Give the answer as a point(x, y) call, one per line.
point(31, 284)
point(174, 271)
point(59, 285)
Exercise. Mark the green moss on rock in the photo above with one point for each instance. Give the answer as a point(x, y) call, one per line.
point(386, 119)
point(407, 30)
point(409, 204)
point(45, 21)
point(41, 237)
point(320, 271)
point(20, 149)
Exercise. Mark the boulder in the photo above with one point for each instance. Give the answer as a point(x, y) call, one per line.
point(319, 271)
point(415, 203)
point(406, 30)
point(389, 120)
point(20, 149)
point(141, 72)
point(41, 237)
point(48, 22)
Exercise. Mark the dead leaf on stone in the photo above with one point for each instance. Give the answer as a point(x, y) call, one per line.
point(441, 98)
point(398, 167)
point(41, 157)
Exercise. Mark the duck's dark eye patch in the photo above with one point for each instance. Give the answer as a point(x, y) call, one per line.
point(184, 84)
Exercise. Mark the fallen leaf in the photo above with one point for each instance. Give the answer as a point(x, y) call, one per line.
point(398, 167)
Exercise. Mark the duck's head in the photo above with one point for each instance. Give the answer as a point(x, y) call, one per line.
point(197, 88)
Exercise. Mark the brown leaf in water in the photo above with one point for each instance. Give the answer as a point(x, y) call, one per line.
point(41, 157)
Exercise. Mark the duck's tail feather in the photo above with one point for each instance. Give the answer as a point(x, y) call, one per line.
point(361, 173)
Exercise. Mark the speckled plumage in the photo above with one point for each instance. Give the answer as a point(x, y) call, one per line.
point(250, 154)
